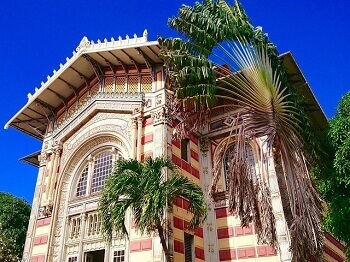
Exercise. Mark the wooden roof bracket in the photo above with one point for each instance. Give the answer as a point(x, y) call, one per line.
point(109, 63)
point(119, 61)
point(44, 105)
point(32, 127)
point(97, 68)
point(132, 60)
point(148, 62)
point(82, 76)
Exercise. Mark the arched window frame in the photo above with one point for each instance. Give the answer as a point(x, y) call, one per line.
point(252, 160)
point(89, 163)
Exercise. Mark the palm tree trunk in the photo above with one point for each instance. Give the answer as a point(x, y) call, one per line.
point(162, 240)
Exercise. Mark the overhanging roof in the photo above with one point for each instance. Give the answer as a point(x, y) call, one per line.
point(33, 117)
point(31, 159)
point(297, 79)
point(77, 70)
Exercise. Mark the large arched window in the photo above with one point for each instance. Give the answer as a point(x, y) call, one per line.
point(94, 172)
point(231, 150)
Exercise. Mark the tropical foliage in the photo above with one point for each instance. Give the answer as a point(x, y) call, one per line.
point(147, 189)
point(223, 64)
point(14, 218)
point(333, 173)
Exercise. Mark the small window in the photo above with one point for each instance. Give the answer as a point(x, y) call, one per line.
point(188, 242)
point(119, 256)
point(81, 188)
point(97, 168)
point(249, 155)
point(185, 148)
point(72, 259)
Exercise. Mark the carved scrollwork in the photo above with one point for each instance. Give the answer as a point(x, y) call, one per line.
point(159, 99)
point(162, 116)
point(83, 44)
point(204, 144)
point(45, 211)
point(42, 159)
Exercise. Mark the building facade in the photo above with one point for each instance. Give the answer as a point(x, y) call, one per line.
point(107, 102)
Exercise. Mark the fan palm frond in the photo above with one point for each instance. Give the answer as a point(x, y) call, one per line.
point(223, 58)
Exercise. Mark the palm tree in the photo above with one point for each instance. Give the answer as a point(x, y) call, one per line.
point(147, 189)
point(224, 63)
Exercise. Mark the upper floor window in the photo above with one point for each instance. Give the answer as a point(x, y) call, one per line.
point(93, 174)
point(231, 150)
point(185, 149)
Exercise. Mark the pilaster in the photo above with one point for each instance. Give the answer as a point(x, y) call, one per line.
point(82, 233)
point(209, 228)
point(282, 232)
point(139, 137)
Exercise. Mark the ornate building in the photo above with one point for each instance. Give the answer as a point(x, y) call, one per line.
point(108, 102)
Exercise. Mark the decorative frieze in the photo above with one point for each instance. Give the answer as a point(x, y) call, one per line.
point(159, 99)
point(162, 116)
point(204, 145)
point(45, 211)
point(127, 101)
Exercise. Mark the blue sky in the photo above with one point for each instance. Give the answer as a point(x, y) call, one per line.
point(36, 36)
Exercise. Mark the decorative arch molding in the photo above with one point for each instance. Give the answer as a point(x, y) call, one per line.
point(218, 155)
point(118, 125)
point(73, 159)
point(225, 143)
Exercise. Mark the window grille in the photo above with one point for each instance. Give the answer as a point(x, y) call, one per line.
point(102, 169)
point(92, 177)
point(188, 242)
point(82, 184)
point(120, 85)
point(133, 84)
point(146, 83)
point(119, 256)
point(108, 88)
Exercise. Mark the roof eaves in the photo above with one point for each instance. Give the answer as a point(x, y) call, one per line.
point(85, 46)
point(308, 89)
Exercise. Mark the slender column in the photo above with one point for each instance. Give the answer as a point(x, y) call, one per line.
point(126, 83)
point(54, 173)
point(139, 136)
point(133, 138)
point(282, 231)
point(82, 235)
point(209, 227)
point(139, 87)
point(90, 173)
point(114, 154)
point(49, 176)
point(114, 81)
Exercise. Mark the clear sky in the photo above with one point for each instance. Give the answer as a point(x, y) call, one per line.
point(36, 36)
